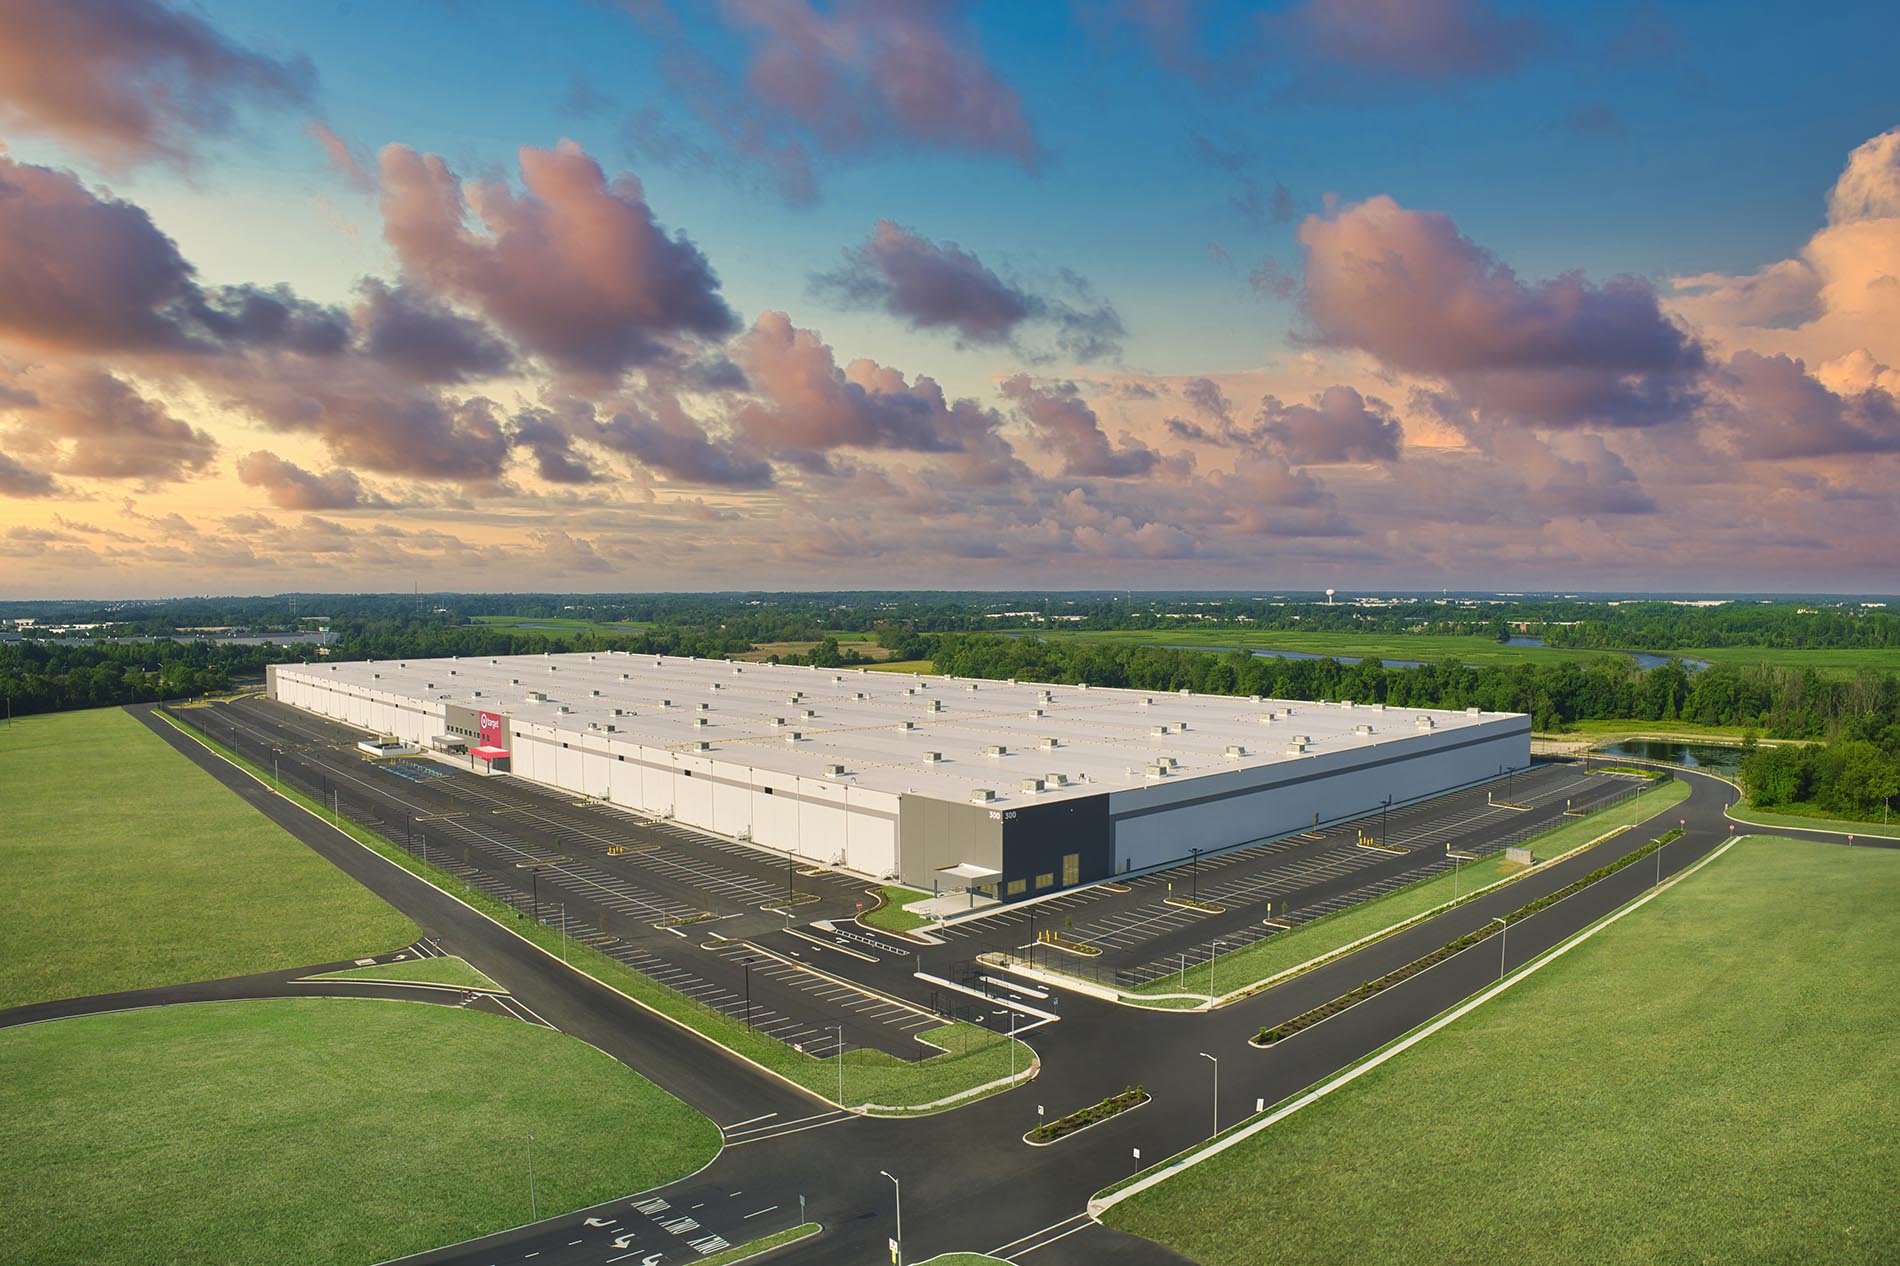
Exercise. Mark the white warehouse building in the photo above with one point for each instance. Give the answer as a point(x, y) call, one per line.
point(943, 783)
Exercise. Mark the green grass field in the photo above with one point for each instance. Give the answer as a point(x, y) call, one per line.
point(319, 1130)
point(1828, 661)
point(558, 626)
point(438, 971)
point(127, 866)
point(1813, 821)
point(971, 1056)
point(892, 916)
point(1708, 1080)
point(1331, 932)
point(924, 666)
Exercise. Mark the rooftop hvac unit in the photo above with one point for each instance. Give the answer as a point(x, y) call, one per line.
point(1253, 698)
point(935, 705)
point(1180, 725)
point(1296, 749)
point(1287, 713)
point(933, 758)
point(451, 672)
point(474, 694)
point(910, 690)
point(699, 723)
point(1301, 738)
point(718, 686)
point(778, 723)
point(859, 694)
point(377, 676)
point(514, 681)
point(704, 707)
point(1472, 712)
point(1235, 752)
point(737, 669)
point(1185, 692)
point(702, 746)
point(1157, 771)
point(666, 703)
point(982, 795)
point(626, 676)
point(793, 737)
point(563, 708)
point(834, 771)
point(402, 663)
point(594, 694)
point(537, 696)
point(1081, 685)
point(1032, 785)
point(428, 685)
point(1363, 731)
point(1050, 743)
point(1157, 731)
point(610, 727)
point(996, 749)
point(809, 712)
point(906, 725)
point(1012, 681)
point(972, 687)
point(1058, 780)
point(1378, 707)
point(620, 712)
point(1035, 712)
point(1146, 702)
point(1424, 723)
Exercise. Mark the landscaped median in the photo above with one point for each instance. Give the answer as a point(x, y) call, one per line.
point(1081, 1119)
point(1497, 927)
point(890, 914)
point(974, 1061)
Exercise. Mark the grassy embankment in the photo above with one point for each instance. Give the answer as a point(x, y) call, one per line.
point(435, 971)
point(1329, 933)
point(892, 916)
point(764, 1244)
point(320, 1130)
point(1707, 1080)
point(971, 1056)
point(129, 867)
point(1813, 819)
point(924, 666)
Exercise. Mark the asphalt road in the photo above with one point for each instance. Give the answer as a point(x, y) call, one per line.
point(969, 1181)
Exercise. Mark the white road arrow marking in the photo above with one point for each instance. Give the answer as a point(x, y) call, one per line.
point(600, 1222)
point(626, 1241)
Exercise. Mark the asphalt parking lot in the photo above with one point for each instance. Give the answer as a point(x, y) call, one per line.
point(1295, 879)
point(667, 902)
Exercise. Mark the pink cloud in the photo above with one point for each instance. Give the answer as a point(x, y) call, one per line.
point(95, 425)
point(574, 268)
point(343, 156)
point(128, 81)
point(1339, 425)
point(1422, 40)
point(291, 487)
point(870, 68)
point(1408, 288)
point(1067, 426)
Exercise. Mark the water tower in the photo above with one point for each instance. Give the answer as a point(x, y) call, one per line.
point(1329, 597)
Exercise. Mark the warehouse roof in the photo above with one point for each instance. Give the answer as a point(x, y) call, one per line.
point(882, 728)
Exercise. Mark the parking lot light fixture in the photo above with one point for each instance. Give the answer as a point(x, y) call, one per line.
point(1205, 1055)
point(1504, 937)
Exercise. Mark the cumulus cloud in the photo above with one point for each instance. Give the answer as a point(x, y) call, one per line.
point(1067, 426)
point(86, 272)
point(410, 331)
point(291, 487)
point(96, 425)
point(1777, 410)
point(1408, 288)
point(20, 480)
point(1339, 425)
point(804, 401)
point(574, 267)
point(871, 71)
point(130, 80)
point(1840, 293)
point(672, 443)
point(938, 286)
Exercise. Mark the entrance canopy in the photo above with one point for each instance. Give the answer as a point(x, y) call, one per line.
point(971, 871)
point(489, 752)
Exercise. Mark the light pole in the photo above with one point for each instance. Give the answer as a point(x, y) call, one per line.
point(1194, 879)
point(748, 993)
point(1205, 1055)
point(1383, 810)
point(839, 1056)
point(425, 847)
point(898, 1196)
point(534, 1200)
point(1504, 936)
point(1210, 970)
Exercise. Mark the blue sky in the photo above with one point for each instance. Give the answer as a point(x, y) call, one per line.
point(1118, 167)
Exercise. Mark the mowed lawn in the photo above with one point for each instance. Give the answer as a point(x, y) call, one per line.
point(125, 865)
point(312, 1131)
point(1711, 1079)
